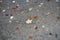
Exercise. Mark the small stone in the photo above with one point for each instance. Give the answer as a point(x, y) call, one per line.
point(43, 26)
point(17, 28)
point(48, 14)
point(6, 15)
point(27, 0)
point(29, 21)
point(30, 9)
point(57, 0)
point(22, 12)
point(17, 6)
point(56, 35)
point(13, 1)
point(41, 3)
point(58, 17)
point(11, 17)
point(50, 33)
point(3, 10)
point(35, 27)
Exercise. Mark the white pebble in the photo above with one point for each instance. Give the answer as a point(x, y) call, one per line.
point(13, 1)
point(28, 21)
point(41, 3)
point(11, 17)
point(30, 9)
point(57, 0)
point(43, 26)
point(3, 10)
point(27, 0)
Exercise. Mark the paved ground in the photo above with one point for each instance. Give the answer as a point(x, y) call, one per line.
point(46, 21)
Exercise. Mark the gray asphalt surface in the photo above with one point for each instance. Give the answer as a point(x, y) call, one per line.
point(51, 23)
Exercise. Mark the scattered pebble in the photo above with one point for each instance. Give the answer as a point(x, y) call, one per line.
point(22, 12)
point(6, 15)
point(13, 1)
point(35, 27)
point(41, 3)
point(29, 21)
point(11, 17)
point(30, 9)
point(56, 35)
point(57, 0)
point(50, 33)
point(27, 0)
point(48, 14)
point(3, 10)
point(17, 6)
point(58, 17)
point(17, 28)
point(43, 26)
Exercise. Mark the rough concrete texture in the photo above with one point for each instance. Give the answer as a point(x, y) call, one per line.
point(43, 13)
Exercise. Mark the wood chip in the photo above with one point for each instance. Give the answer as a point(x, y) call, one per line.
point(35, 17)
point(30, 37)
